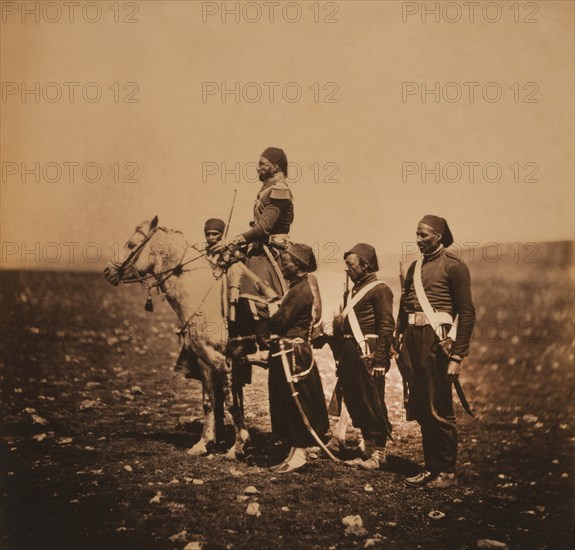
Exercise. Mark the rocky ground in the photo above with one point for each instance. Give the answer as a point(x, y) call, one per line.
point(95, 425)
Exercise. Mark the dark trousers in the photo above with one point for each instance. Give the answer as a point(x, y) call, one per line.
point(286, 419)
point(430, 399)
point(364, 395)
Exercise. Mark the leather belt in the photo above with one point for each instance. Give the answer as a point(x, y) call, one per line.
point(418, 319)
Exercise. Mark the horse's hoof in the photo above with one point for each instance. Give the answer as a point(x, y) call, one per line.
point(199, 449)
point(232, 454)
point(335, 445)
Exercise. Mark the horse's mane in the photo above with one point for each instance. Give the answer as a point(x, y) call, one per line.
point(163, 238)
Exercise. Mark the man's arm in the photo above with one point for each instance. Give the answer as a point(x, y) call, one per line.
point(460, 286)
point(292, 306)
point(382, 301)
point(268, 218)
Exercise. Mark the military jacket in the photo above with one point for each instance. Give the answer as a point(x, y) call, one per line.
point(273, 210)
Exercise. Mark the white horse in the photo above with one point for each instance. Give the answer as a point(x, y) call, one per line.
point(194, 290)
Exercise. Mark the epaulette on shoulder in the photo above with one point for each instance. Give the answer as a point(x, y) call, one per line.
point(280, 191)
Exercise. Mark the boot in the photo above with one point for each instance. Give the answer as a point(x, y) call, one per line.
point(295, 462)
point(373, 459)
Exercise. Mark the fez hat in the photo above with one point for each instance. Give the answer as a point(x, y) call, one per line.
point(277, 156)
point(304, 256)
point(365, 252)
point(215, 224)
point(440, 225)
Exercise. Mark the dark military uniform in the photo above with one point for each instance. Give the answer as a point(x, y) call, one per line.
point(363, 394)
point(446, 282)
point(293, 322)
point(273, 216)
point(269, 235)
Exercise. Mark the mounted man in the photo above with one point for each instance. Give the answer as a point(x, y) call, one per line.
point(262, 245)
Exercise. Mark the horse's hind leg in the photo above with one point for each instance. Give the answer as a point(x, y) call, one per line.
point(219, 413)
point(207, 440)
point(242, 434)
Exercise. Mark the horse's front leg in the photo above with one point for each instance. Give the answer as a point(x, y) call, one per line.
point(208, 438)
point(242, 434)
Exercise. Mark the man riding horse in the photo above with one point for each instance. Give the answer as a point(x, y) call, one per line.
point(262, 245)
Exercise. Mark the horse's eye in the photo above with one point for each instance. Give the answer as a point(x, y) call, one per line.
point(130, 246)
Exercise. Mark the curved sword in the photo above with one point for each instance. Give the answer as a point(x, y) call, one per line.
point(290, 379)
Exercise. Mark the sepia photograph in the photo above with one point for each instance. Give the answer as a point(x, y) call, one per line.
point(287, 274)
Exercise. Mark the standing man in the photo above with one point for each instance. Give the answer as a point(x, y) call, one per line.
point(292, 324)
point(437, 295)
point(264, 242)
point(367, 326)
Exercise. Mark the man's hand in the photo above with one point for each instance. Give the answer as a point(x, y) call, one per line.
point(220, 246)
point(453, 371)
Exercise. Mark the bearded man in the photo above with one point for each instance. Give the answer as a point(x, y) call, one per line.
point(263, 244)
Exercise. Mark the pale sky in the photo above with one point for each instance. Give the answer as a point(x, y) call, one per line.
point(362, 141)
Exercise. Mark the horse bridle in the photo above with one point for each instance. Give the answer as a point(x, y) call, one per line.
point(133, 256)
point(130, 264)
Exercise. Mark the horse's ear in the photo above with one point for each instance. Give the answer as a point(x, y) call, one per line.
point(154, 223)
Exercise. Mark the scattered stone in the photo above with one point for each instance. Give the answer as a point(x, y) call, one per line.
point(128, 468)
point(196, 545)
point(198, 481)
point(37, 419)
point(65, 441)
point(564, 475)
point(156, 499)
point(368, 488)
point(530, 419)
point(88, 404)
point(235, 472)
point(313, 454)
point(136, 390)
point(376, 539)
point(354, 526)
point(555, 461)
point(285, 509)
point(436, 515)
point(174, 481)
point(182, 536)
point(253, 509)
point(39, 437)
point(488, 544)
point(528, 512)
point(251, 490)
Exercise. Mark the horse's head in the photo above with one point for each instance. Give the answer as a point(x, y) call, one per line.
point(138, 259)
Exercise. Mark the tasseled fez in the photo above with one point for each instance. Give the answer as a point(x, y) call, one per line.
point(215, 224)
point(304, 255)
point(440, 225)
point(367, 253)
point(277, 156)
